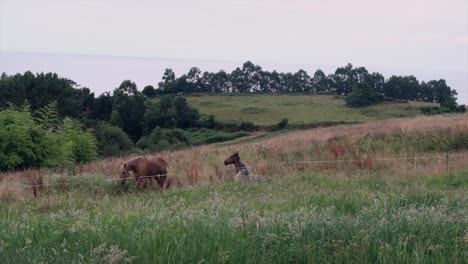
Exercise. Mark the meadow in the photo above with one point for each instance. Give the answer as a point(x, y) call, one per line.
point(379, 192)
point(269, 109)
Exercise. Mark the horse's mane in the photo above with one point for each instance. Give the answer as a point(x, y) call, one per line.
point(131, 163)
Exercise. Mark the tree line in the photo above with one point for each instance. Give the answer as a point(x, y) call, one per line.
point(252, 78)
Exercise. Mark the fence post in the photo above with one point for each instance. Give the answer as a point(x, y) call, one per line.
point(447, 163)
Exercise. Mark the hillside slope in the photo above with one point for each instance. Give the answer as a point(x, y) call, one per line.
point(268, 109)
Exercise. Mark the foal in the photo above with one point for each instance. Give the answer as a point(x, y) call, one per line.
point(242, 171)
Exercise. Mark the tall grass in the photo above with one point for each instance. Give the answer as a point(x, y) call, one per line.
point(308, 218)
point(365, 148)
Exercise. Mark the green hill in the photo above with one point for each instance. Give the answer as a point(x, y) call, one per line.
point(268, 109)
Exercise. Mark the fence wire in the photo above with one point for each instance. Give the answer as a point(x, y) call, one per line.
point(415, 158)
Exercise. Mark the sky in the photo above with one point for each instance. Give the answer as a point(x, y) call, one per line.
point(427, 38)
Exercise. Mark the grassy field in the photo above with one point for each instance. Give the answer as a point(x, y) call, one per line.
point(270, 109)
point(392, 198)
point(307, 218)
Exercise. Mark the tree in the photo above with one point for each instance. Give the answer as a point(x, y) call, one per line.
point(251, 76)
point(102, 107)
point(185, 116)
point(345, 79)
point(403, 88)
point(286, 83)
point(302, 82)
point(40, 89)
point(320, 83)
point(111, 140)
point(161, 139)
point(362, 95)
point(167, 79)
point(149, 91)
point(238, 82)
point(443, 95)
point(376, 82)
point(194, 80)
point(128, 109)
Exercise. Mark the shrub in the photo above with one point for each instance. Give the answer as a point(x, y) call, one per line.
point(22, 142)
point(27, 143)
point(82, 141)
point(247, 126)
point(282, 124)
point(362, 96)
point(435, 110)
point(112, 140)
point(161, 139)
point(207, 136)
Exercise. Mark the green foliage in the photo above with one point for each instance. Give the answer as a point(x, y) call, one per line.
point(40, 89)
point(84, 145)
point(48, 116)
point(435, 110)
point(128, 109)
point(185, 116)
point(362, 95)
point(170, 112)
point(282, 124)
point(27, 142)
point(207, 136)
point(112, 140)
point(23, 144)
point(162, 139)
point(169, 139)
point(149, 91)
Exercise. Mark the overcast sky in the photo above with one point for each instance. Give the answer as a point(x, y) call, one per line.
point(393, 34)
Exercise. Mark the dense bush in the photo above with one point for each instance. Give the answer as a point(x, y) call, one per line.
point(282, 124)
point(435, 110)
point(362, 96)
point(82, 141)
point(22, 143)
point(207, 136)
point(112, 140)
point(227, 126)
point(168, 139)
point(162, 139)
point(27, 142)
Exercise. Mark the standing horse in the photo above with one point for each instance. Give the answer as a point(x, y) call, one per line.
point(242, 171)
point(144, 170)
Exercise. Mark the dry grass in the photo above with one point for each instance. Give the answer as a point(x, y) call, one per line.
point(277, 156)
point(12, 191)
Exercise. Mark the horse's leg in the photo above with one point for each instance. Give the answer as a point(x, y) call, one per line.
point(155, 180)
point(167, 182)
point(139, 182)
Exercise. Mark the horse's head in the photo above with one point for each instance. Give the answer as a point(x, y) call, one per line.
point(123, 173)
point(232, 159)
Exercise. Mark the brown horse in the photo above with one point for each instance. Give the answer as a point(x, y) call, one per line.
point(144, 170)
point(242, 171)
